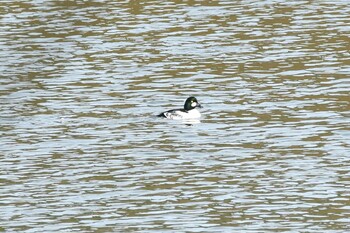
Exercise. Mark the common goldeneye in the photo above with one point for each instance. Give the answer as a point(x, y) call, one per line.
point(188, 112)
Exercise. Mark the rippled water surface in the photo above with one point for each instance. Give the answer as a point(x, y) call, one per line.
point(82, 151)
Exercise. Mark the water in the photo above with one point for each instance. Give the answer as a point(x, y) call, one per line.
point(81, 150)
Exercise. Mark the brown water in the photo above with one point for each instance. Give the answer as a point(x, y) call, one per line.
point(81, 150)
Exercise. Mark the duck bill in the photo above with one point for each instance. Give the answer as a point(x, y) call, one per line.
point(199, 105)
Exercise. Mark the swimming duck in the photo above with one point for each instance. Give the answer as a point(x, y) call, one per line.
point(189, 111)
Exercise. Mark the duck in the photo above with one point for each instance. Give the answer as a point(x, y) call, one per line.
point(189, 111)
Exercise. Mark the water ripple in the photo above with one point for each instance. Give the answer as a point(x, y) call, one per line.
point(82, 150)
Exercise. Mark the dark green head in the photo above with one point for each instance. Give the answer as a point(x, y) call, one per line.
point(191, 103)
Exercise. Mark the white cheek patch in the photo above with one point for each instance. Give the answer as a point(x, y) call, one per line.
point(194, 104)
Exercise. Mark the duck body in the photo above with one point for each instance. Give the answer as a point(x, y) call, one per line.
point(189, 111)
point(178, 114)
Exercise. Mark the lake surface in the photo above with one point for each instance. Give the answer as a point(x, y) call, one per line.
point(82, 151)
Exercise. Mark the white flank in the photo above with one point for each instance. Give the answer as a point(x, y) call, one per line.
point(178, 115)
